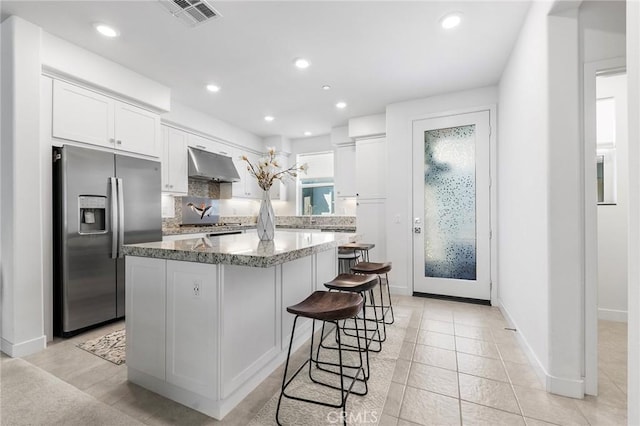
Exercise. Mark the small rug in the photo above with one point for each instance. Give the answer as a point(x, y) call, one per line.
point(360, 409)
point(110, 347)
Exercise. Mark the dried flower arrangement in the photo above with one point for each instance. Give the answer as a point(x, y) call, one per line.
point(267, 169)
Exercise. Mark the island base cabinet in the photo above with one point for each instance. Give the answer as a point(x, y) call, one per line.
point(251, 327)
point(206, 335)
point(145, 303)
point(192, 324)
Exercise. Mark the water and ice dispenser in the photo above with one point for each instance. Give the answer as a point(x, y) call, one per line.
point(93, 214)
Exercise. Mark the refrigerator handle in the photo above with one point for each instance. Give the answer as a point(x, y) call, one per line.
point(114, 218)
point(120, 216)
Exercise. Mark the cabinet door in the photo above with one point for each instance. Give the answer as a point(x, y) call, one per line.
point(137, 130)
point(192, 324)
point(370, 217)
point(345, 171)
point(371, 167)
point(82, 115)
point(174, 161)
point(145, 311)
point(251, 184)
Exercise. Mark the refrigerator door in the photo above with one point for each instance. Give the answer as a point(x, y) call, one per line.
point(86, 275)
point(139, 190)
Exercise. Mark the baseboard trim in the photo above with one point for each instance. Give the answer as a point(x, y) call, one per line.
point(556, 385)
point(400, 291)
point(612, 315)
point(22, 349)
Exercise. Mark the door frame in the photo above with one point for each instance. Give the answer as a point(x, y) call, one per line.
point(590, 290)
point(493, 155)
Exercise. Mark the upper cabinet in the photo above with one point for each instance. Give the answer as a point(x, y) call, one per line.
point(210, 145)
point(86, 116)
point(174, 161)
point(345, 171)
point(371, 168)
point(248, 185)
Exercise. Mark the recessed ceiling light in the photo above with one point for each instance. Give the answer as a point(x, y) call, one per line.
point(451, 20)
point(326, 87)
point(213, 88)
point(268, 118)
point(301, 63)
point(106, 30)
point(308, 133)
point(341, 105)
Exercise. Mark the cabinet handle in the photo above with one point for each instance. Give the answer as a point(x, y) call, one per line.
point(223, 153)
point(119, 142)
point(170, 186)
point(112, 140)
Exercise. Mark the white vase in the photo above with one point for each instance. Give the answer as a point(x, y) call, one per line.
point(266, 225)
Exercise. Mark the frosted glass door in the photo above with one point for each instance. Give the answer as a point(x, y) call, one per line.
point(451, 206)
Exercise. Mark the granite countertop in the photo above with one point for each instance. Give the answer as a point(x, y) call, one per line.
point(200, 229)
point(241, 249)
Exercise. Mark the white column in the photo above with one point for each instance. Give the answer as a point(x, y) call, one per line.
point(20, 189)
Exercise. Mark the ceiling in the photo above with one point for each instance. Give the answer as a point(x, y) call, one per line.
point(371, 53)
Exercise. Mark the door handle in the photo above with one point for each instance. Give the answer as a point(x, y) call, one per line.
point(114, 218)
point(120, 216)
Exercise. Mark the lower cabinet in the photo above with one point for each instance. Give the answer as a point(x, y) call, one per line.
point(192, 291)
point(172, 322)
point(206, 335)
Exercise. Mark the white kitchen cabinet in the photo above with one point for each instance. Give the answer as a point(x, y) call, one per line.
point(145, 325)
point(174, 161)
point(345, 171)
point(210, 145)
point(136, 130)
point(371, 168)
point(371, 226)
point(278, 190)
point(192, 290)
point(86, 116)
point(247, 187)
point(82, 115)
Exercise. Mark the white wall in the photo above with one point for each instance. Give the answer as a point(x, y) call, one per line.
point(199, 122)
point(399, 117)
point(612, 219)
point(21, 274)
point(633, 81)
point(522, 186)
point(67, 59)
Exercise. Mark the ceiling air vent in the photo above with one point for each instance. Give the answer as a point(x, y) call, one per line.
point(191, 12)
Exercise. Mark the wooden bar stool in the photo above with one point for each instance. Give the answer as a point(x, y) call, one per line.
point(346, 259)
point(379, 269)
point(363, 285)
point(328, 307)
point(363, 248)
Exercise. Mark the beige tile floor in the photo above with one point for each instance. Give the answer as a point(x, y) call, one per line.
point(458, 365)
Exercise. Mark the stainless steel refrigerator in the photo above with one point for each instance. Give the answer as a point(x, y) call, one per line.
point(100, 201)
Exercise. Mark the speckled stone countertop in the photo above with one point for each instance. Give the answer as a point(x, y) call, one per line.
point(241, 249)
point(201, 229)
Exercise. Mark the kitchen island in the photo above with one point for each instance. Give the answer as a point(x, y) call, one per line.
point(206, 318)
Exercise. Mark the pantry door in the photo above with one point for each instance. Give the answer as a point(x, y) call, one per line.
point(451, 206)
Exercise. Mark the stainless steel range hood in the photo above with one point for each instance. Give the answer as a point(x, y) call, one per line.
point(206, 165)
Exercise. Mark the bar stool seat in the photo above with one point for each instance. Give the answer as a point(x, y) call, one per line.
point(325, 306)
point(352, 282)
point(372, 268)
point(363, 248)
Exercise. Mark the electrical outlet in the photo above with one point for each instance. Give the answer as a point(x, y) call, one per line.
point(196, 288)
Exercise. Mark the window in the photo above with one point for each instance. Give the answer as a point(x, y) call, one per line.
point(315, 188)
